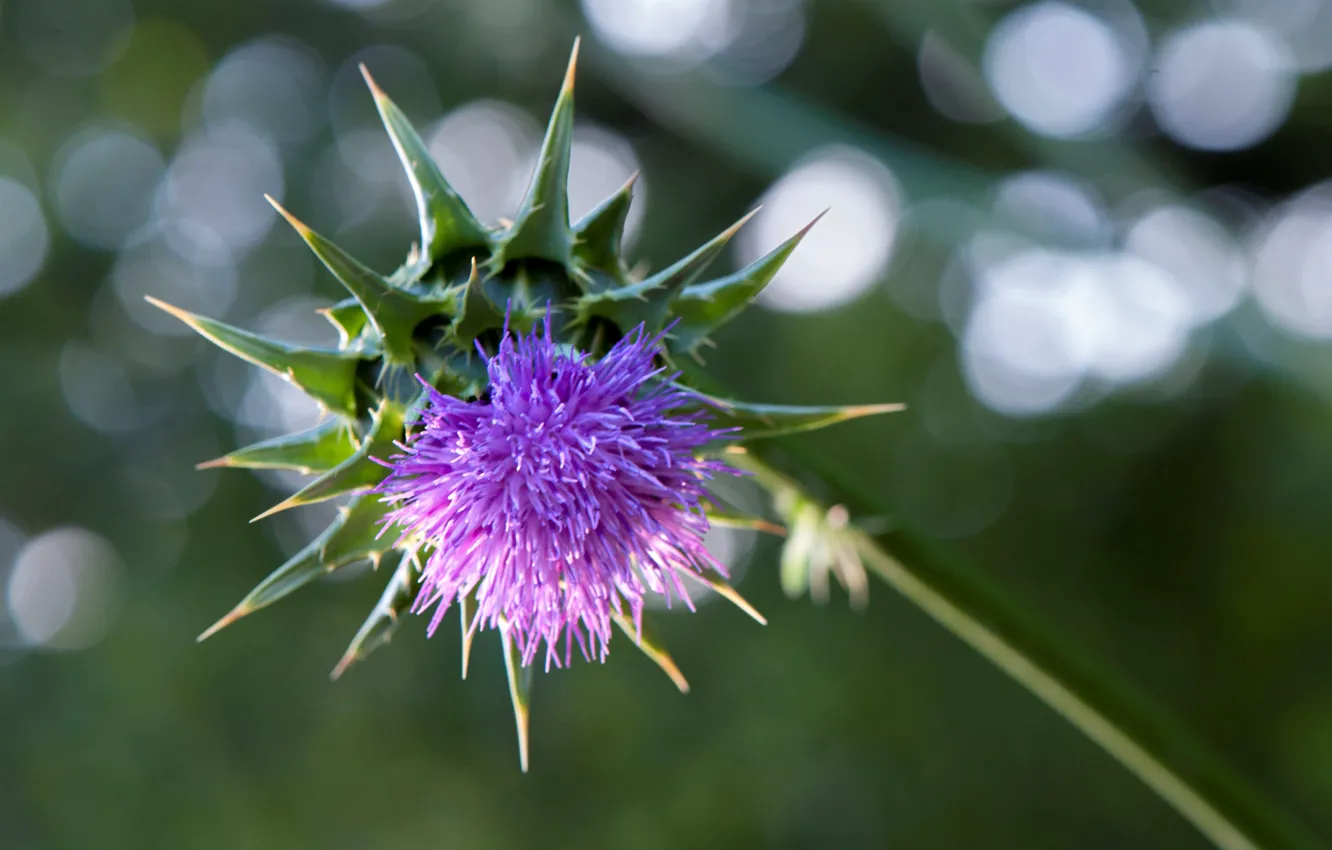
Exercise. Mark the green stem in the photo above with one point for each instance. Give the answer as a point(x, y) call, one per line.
point(1210, 795)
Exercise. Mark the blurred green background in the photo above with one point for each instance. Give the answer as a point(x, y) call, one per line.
point(1086, 241)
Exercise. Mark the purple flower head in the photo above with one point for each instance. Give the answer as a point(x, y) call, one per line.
point(569, 493)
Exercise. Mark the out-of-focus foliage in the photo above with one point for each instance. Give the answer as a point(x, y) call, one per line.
point(1086, 243)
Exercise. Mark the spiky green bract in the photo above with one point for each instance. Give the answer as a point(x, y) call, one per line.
point(428, 318)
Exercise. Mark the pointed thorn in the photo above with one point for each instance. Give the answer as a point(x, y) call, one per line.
point(740, 602)
point(375, 90)
point(234, 615)
point(656, 654)
point(184, 316)
point(677, 677)
point(873, 409)
point(573, 66)
point(807, 228)
point(744, 219)
point(296, 224)
point(468, 635)
point(522, 746)
point(467, 621)
point(215, 463)
point(350, 657)
point(281, 506)
point(724, 589)
point(667, 665)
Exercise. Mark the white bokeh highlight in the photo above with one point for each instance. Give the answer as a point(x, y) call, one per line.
point(211, 204)
point(1053, 207)
point(1210, 268)
point(273, 85)
point(25, 239)
point(1046, 323)
point(1058, 69)
point(1292, 265)
point(156, 269)
point(763, 39)
point(1221, 85)
point(677, 29)
point(103, 183)
point(270, 405)
point(485, 149)
point(600, 163)
point(847, 251)
point(1304, 25)
point(62, 589)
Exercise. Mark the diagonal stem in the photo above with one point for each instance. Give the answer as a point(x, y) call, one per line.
point(1209, 794)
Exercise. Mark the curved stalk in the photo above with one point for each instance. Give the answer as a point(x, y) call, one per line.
point(1203, 789)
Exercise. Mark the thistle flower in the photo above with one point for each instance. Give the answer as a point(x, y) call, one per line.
point(562, 499)
point(533, 518)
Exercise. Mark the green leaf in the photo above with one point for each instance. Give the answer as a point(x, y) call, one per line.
point(686, 270)
point(360, 534)
point(651, 645)
point(395, 312)
point(325, 375)
point(541, 229)
point(351, 537)
point(447, 225)
point(759, 421)
point(317, 450)
point(520, 692)
point(704, 307)
point(598, 236)
point(349, 318)
point(461, 374)
point(358, 472)
point(649, 300)
point(477, 315)
point(378, 629)
point(301, 569)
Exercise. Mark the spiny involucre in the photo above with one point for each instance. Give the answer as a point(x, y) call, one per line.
point(562, 499)
point(505, 425)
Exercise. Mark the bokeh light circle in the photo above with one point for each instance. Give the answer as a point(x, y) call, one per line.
point(24, 237)
point(485, 148)
point(1052, 207)
point(1221, 85)
point(275, 86)
point(1057, 69)
point(211, 203)
point(601, 162)
point(847, 251)
point(103, 182)
point(1205, 261)
point(1292, 265)
point(62, 589)
point(662, 28)
point(1045, 323)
